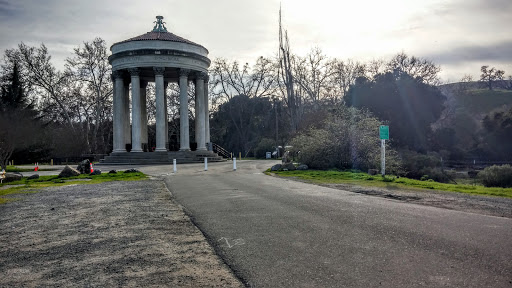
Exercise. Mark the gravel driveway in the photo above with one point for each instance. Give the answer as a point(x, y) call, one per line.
point(124, 234)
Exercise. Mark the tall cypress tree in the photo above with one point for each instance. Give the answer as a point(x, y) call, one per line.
point(13, 94)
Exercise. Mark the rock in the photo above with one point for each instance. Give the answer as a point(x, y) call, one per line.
point(68, 172)
point(11, 177)
point(112, 172)
point(276, 167)
point(288, 167)
point(303, 167)
point(84, 167)
point(96, 172)
point(373, 171)
point(35, 176)
point(131, 171)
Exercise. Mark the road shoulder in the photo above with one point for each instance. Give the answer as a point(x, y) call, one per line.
point(485, 205)
point(112, 234)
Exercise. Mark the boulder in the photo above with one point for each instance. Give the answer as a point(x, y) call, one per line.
point(35, 176)
point(276, 167)
point(373, 171)
point(131, 171)
point(303, 167)
point(11, 177)
point(84, 167)
point(96, 172)
point(288, 167)
point(68, 172)
point(112, 172)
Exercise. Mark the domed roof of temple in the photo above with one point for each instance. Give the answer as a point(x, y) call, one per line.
point(160, 32)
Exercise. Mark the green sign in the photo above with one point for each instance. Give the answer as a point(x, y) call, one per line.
point(384, 132)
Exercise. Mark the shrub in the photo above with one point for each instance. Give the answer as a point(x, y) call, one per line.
point(423, 166)
point(497, 176)
point(348, 140)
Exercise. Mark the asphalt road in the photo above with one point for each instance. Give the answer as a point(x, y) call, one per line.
point(282, 233)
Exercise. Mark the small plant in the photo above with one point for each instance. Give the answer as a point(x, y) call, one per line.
point(388, 179)
point(497, 176)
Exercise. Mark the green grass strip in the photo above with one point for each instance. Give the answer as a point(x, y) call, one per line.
point(363, 179)
point(35, 185)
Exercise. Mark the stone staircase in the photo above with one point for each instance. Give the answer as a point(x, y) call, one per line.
point(148, 158)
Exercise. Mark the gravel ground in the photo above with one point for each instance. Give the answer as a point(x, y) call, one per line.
point(486, 205)
point(124, 234)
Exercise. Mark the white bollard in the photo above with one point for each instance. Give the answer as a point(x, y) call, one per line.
point(205, 164)
point(174, 169)
point(234, 164)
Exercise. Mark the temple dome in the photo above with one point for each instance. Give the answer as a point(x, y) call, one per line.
point(162, 36)
point(159, 48)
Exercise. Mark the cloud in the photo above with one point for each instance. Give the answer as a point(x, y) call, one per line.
point(500, 52)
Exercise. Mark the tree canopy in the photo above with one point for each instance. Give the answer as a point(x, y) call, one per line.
point(408, 104)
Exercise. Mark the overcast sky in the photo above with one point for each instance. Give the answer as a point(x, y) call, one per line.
point(459, 35)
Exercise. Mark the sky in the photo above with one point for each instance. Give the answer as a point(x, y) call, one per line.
point(458, 35)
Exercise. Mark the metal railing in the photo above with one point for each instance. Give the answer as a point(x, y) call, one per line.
point(221, 151)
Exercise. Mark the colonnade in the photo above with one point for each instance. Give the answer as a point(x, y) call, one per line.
point(138, 134)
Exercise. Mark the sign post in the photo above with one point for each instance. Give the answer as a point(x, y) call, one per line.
point(384, 135)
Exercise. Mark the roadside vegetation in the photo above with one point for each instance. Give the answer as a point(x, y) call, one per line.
point(392, 182)
point(26, 185)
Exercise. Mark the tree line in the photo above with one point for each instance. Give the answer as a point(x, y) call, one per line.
point(280, 100)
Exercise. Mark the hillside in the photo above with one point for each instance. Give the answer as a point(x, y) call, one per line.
point(466, 106)
point(468, 98)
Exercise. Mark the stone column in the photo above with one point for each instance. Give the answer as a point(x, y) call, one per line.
point(136, 111)
point(200, 139)
point(166, 116)
point(160, 109)
point(184, 126)
point(206, 113)
point(118, 112)
point(144, 116)
point(126, 103)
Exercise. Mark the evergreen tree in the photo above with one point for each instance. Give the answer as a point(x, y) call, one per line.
point(13, 94)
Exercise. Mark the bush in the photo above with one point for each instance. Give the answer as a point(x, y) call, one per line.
point(348, 140)
point(497, 176)
point(423, 166)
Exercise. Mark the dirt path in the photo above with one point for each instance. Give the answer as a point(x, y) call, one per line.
point(117, 234)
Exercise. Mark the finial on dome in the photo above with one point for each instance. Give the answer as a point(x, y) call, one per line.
point(159, 26)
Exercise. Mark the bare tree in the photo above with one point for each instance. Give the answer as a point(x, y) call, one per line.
point(286, 78)
point(36, 69)
point(374, 67)
point(345, 74)
point(490, 77)
point(228, 79)
point(90, 66)
point(313, 73)
point(420, 68)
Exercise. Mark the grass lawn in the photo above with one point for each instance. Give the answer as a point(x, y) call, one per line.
point(363, 179)
point(32, 186)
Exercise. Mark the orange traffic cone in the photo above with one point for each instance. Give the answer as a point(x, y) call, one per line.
point(36, 167)
point(92, 170)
